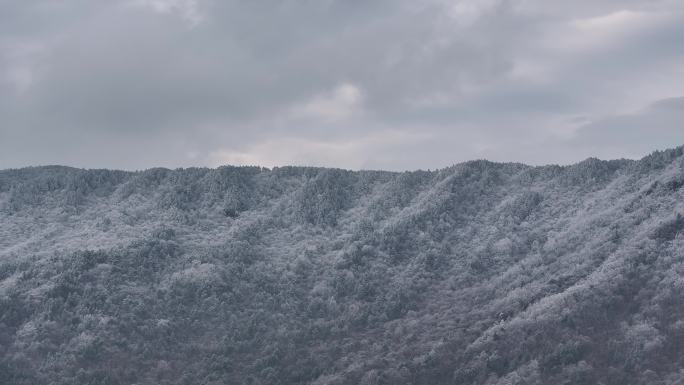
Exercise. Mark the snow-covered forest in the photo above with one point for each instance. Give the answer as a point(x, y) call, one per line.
point(481, 273)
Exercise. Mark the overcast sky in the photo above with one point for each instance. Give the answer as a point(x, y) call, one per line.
point(380, 84)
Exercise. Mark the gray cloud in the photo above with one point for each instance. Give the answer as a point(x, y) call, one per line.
point(660, 126)
point(373, 84)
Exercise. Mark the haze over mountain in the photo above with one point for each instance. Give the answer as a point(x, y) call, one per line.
point(480, 273)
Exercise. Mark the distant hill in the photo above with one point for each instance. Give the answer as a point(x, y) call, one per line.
point(481, 273)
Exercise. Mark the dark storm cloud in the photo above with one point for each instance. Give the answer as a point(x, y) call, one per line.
point(140, 83)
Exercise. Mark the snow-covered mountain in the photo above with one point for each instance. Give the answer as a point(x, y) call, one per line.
point(481, 273)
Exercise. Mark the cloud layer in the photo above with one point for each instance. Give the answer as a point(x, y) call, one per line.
point(375, 84)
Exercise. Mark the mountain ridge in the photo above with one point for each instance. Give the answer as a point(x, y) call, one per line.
point(479, 273)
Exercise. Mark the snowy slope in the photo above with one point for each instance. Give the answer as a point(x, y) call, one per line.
point(481, 273)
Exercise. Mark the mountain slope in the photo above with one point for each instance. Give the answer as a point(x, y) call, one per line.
point(481, 273)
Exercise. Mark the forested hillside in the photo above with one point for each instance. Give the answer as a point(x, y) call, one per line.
point(481, 273)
